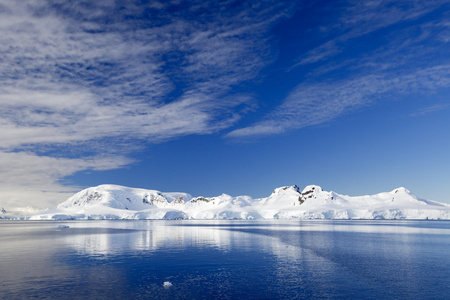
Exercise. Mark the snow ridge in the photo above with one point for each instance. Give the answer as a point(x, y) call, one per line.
point(288, 202)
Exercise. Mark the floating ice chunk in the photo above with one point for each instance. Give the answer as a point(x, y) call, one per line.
point(167, 284)
point(62, 226)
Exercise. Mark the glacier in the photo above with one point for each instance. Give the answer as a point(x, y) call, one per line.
point(288, 202)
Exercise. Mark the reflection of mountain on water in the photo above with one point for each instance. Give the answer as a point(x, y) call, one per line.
point(96, 240)
point(103, 238)
point(178, 237)
point(141, 236)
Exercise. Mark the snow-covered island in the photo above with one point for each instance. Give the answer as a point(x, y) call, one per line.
point(289, 202)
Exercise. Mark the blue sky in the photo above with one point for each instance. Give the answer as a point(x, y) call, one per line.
point(211, 97)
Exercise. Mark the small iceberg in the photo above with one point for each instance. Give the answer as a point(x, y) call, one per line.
point(167, 284)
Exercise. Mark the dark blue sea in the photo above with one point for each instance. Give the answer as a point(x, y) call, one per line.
point(225, 260)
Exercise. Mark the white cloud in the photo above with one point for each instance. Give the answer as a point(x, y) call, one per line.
point(62, 82)
point(75, 73)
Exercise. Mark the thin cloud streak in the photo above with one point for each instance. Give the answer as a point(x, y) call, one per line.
point(431, 109)
point(361, 18)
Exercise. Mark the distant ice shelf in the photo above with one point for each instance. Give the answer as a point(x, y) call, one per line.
point(288, 202)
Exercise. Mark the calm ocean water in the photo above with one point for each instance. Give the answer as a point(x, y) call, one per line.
point(225, 259)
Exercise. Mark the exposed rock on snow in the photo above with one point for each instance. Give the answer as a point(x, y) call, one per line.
point(289, 202)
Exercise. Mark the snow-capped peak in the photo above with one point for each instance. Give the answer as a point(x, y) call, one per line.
point(401, 190)
point(310, 192)
point(293, 188)
point(312, 188)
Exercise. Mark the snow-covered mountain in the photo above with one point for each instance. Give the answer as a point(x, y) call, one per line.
point(289, 202)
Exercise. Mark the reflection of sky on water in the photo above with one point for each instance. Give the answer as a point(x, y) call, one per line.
point(286, 259)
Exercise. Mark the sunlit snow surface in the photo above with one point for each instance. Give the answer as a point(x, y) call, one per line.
point(118, 202)
point(217, 259)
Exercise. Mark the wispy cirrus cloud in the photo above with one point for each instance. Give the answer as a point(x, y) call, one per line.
point(75, 80)
point(81, 74)
point(410, 57)
point(359, 18)
point(431, 109)
point(312, 104)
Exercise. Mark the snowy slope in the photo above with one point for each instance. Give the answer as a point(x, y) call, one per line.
point(289, 202)
point(121, 197)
